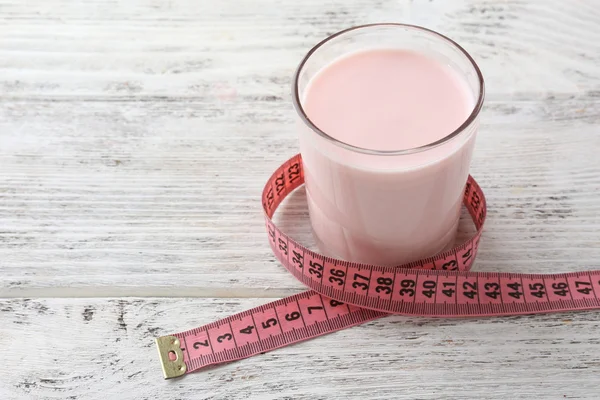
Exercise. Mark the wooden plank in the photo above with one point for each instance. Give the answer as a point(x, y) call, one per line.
point(56, 48)
point(103, 348)
point(140, 135)
point(159, 199)
point(135, 138)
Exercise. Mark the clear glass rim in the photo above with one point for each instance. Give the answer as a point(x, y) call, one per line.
point(456, 132)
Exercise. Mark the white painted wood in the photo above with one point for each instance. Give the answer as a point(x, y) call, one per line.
point(103, 348)
point(98, 202)
point(135, 138)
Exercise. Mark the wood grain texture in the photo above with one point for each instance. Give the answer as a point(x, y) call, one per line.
point(136, 136)
point(91, 204)
point(109, 353)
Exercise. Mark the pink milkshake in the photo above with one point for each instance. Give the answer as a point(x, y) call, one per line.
point(389, 117)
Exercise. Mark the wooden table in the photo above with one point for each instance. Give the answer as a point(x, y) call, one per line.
point(135, 138)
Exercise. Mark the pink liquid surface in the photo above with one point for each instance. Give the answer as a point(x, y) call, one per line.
point(386, 209)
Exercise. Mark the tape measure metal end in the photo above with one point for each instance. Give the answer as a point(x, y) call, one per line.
point(171, 356)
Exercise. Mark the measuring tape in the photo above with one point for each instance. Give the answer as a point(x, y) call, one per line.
point(344, 294)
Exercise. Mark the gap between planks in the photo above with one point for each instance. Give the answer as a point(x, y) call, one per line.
point(146, 292)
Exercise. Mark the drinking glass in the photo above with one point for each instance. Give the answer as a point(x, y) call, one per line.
point(386, 207)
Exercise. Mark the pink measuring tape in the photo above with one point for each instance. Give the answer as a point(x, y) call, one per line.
point(344, 294)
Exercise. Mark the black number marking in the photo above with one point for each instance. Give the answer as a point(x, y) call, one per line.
point(279, 184)
point(407, 284)
point(385, 281)
point(198, 344)
point(315, 272)
point(450, 266)
point(337, 277)
point(362, 285)
point(467, 256)
point(516, 295)
point(384, 285)
point(335, 303)
point(272, 233)
point(537, 290)
point(298, 259)
point(247, 330)
point(473, 289)
point(515, 286)
point(449, 292)
point(430, 286)
point(536, 286)
point(270, 198)
point(475, 201)
point(492, 290)
point(316, 269)
point(481, 216)
point(269, 323)
point(560, 289)
point(224, 337)
point(585, 290)
point(310, 309)
point(339, 281)
point(294, 172)
point(283, 246)
point(292, 316)
point(384, 289)
point(469, 285)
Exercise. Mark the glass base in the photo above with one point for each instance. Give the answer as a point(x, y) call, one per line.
point(448, 243)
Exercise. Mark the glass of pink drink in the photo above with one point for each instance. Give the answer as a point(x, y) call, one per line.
point(388, 119)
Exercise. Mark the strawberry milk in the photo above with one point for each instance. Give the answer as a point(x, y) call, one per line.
point(373, 195)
